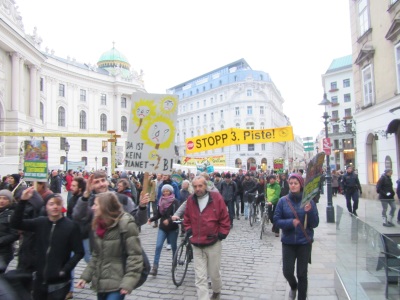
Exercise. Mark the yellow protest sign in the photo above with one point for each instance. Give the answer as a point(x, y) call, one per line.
point(236, 136)
point(215, 160)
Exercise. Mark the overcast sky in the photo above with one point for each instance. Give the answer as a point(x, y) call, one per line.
point(176, 40)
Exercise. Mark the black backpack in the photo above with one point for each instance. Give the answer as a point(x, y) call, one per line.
point(146, 263)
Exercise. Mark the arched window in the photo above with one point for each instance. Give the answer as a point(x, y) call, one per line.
point(61, 116)
point(124, 124)
point(82, 120)
point(262, 126)
point(250, 125)
point(103, 122)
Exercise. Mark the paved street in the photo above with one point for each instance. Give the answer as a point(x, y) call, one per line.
point(251, 268)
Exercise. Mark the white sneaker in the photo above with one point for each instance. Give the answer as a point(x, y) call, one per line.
point(168, 247)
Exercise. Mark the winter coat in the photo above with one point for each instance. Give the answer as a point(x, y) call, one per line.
point(335, 180)
point(248, 184)
point(105, 269)
point(384, 187)
point(284, 184)
point(228, 190)
point(184, 195)
point(260, 188)
point(273, 192)
point(169, 212)
point(55, 184)
point(54, 243)
point(210, 225)
point(283, 218)
point(350, 183)
point(7, 235)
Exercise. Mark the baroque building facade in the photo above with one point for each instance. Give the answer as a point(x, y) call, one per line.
point(43, 93)
point(232, 96)
point(375, 32)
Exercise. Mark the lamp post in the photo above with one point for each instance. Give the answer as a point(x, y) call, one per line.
point(330, 210)
point(95, 159)
point(66, 148)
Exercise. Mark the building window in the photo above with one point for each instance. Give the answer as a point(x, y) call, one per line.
point(237, 125)
point(83, 96)
point(249, 110)
point(250, 125)
point(335, 128)
point(250, 147)
point(333, 85)
point(211, 100)
point(123, 102)
point(212, 129)
point(221, 97)
point(334, 100)
point(191, 106)
point(397, 57)
point(237, 111)
point(197, 104)
point(198, 120)
point(212, 116)
point(191, 120)
point(363, 18)
point(61, 116)
point(261, 110)
point(62, 143)
point(262, 147)
point(249, 93)
point(184, 108)
point(205, 118)
point(82, 120)
point(335, 114)
point(61, 90)
point(103, 122)
point(84, 159)
point(347, 112)
point(204, 88)
point(192, 133)
point(184, 122)
point(197, 91)
point(347, 97)
point(124, 124)
point(41, 84)
point(262, 126)
point(367, 81)
point(346, 83)
point(41, 112)
point(221, 113)
point(104, 146)
point(204, 102)
point(103, 99)
point(83, 145)
point(237, 147)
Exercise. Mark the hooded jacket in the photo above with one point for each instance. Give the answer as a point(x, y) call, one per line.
point(105, 269)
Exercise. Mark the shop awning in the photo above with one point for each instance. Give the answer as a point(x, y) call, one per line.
point(393, 126)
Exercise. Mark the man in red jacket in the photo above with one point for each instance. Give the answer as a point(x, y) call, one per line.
point(206, 222)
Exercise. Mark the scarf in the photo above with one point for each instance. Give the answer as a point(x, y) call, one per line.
point(165, 202)
point(101, 228)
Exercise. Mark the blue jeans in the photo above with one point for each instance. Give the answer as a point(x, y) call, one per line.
point(231, 209)
point(86, 247)
point(161, 236)
point(110, 296)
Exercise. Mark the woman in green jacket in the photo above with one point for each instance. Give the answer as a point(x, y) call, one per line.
point(273, 195)
point(105, 270)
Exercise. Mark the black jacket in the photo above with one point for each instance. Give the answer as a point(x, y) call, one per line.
point(55, 241)
point(55, 184)
point(7, 235)
point(350, 183)
point(169, 212)
point(384, 187)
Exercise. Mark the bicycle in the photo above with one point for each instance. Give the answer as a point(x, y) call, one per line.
point(265, 220)
point(183, 256)
point(254, 208)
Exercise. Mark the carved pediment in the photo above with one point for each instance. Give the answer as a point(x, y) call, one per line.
point(366, 53)
point(393, 30)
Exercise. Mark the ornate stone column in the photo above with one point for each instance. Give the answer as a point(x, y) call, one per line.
point(15, 81)
point(21, 85)
point(33, 91)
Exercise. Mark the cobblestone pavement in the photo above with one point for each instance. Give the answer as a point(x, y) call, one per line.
point(251, 268)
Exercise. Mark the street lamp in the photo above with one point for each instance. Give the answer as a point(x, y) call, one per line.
point(330, 210)
point(66, 148)
point(95, 159)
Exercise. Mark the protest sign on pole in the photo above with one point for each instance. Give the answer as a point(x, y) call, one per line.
point(151, 134)
point(313, 177)
point(35, 160)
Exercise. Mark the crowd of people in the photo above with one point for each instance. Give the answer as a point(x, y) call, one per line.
point(87, 225)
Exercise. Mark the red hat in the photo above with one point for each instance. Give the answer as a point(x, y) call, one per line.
point(298, 177)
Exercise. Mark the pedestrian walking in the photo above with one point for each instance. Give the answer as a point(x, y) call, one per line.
point(351, 188)
point(112, 276)
point(58, 244)
point(228, 190)
point(206, 222)
point(384, 187)
point(273, 192)
point(167, 206)
point(297, 237)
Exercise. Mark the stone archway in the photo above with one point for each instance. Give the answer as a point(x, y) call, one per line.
point(372, 159)
point(238, 163)
point(264, 164)
point(251, 164)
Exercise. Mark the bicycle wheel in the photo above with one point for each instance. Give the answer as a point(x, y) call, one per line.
point(251, 213)
point(255, 213)
point(180, 264)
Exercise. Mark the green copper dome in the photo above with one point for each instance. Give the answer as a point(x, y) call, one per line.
point(113, 58)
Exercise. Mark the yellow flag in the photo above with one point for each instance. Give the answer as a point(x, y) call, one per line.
point(236, 136)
